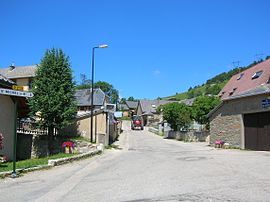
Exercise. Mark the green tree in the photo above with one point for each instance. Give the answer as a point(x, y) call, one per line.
point(202, 106)
point(123, 100)
point(178, 115)
point(131, 98)
point(53, 90)
point(109, 90)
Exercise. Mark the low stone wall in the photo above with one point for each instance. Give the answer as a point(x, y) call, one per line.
point(153, 130)
point(35, 146)
point(189, 136)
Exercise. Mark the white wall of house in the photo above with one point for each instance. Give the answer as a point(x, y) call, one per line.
point(7, 125)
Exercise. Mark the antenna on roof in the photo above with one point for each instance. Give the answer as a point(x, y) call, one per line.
point(258, 56)
point(12, 66)
point(236, 64)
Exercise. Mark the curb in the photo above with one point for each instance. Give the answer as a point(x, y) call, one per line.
point(53, 162)
point(56, 162)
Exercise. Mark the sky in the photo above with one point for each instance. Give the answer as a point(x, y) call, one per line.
point(156, 47)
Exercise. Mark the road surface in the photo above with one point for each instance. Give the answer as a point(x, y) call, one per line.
point(150, 168)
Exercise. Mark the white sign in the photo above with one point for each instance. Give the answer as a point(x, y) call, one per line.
point(4, 91)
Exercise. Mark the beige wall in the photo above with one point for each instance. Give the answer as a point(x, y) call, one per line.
point(23, 82)
point(82, 126)
point(7, 125)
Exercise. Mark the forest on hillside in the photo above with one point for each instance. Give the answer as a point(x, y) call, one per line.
point(212, 86)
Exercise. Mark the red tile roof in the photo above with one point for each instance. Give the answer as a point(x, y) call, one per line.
point(236, 86)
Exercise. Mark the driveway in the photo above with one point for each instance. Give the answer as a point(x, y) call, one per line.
point(149, 168)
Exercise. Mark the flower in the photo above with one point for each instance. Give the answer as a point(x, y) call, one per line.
point(69, 144)
point(1, 141)
point(219, 142)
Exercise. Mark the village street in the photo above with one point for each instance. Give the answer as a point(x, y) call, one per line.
point(149, 168)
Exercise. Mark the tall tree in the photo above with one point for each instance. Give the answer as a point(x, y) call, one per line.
point(202, 106)
point(53, 90)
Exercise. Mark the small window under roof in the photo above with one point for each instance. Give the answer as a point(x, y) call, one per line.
point(231, 92)
point(257, 74)
point(240, 76)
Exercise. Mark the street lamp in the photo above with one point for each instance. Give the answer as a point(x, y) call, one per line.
point(92, 88)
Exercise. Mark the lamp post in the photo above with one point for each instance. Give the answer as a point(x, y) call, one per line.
point(92, 88)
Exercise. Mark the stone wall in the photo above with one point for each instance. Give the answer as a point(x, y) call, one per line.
point(226, 123)
point(36, 146)
point(189, 136)
point(226, 128)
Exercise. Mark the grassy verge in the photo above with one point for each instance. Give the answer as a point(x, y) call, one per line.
point(125, 118)
point(31, 162)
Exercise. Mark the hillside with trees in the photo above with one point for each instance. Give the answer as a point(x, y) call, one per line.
point(212, 86)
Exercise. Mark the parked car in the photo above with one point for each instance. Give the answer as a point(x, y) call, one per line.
point(136, 122)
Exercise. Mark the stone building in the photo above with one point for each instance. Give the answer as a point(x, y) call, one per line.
point(83, 98)
point(243, 117)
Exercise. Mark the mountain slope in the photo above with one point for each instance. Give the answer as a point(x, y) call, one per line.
point(212, 86)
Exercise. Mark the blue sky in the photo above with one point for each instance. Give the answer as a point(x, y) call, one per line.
point(156, 47)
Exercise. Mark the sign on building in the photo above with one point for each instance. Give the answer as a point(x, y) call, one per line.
point(266, 103)
point(14, 87)
point(4, 91)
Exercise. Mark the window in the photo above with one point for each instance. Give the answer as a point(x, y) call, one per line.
point(257, 74)
point(232, 92)
point(240, 76)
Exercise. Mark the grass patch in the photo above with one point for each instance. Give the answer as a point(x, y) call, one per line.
point(125, 118)
point(29, 163)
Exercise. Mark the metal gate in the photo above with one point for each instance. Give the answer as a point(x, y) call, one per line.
point(257, 131)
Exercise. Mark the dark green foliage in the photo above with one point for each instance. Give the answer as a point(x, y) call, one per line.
point(213, 89)
point(53, 90)
point(176, 114)
point(202, 106)
point(131, 99)
point(123, 100)
point(108, 89)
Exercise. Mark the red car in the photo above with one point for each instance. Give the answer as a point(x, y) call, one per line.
point(136, 122)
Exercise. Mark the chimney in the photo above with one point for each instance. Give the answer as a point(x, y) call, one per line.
point(12, 66)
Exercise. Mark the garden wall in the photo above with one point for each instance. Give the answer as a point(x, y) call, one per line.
point(35, 146)
point(189, 136)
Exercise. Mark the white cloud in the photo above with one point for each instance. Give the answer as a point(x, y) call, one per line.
point(156, 72)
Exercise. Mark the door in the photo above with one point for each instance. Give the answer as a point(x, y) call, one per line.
point(257, 131)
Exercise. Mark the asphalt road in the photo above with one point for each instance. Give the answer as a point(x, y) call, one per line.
point(149, 168)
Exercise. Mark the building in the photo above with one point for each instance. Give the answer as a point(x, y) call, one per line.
point(148, 110)
point(132, 106)
point(7, 117)
point(21, 75)
point(243, 117)
point(83, 98)
point(124, 109)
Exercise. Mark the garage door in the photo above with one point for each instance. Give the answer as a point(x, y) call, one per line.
point(257, 131)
